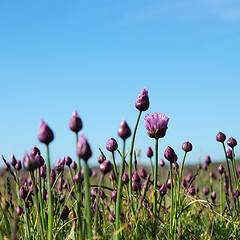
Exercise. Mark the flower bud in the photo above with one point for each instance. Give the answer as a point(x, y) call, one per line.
point(229, 154)
point(23, 192)
point(221, 169)
point(213, 196)
point(206, 191)
point(18, 165)
point(34, 151)
point(136, 178)
point(13, 160)
point(162, 163)
point(68, 161)
point(114, 195)
point(19, 210)
point(149, 152)
point(125, 178)
point(75, 123)
point(204, 167)
point(101, 159)
point(82, 172)
point(45, 134)
point(189, 178)
point(124, 131)
point(111, 145)
point(83, 148)
point(169, 184)
point(64, 214)
point(43, 171)
point(221, 137)
point(74, 165)
point(39, 159)
point(136, 186)
point(29, 163)
point(184, 183)
point(187, 147)
point(232, 142)
point(169, 154)
point(111, 217)
point(143, 173)
point(105, 167)
point(163, 190)
point(191, 190)
point(142, 102)
point(208, 160)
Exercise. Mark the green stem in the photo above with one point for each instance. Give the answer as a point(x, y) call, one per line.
point(155, 187)
point(221, 199)
point(235, 170)
point(87, 199)
point(180, 178)
point(172, 199)
point(50, 198)
point(37, 204)
point(114, 166)
point(130, 157)
point(119, 193)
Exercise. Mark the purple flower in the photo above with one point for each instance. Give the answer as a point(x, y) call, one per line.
point(149, 152)
point(101, 159)
point(229, 154)
point(13, 160)
point(19, 210)
point(111, 145)
point(187, 147)
point(83, 148)
point(162, 163)
point(64, 214)
point(221, 137)
point(111, 217)
point(74, 165)
point(213, 196)
point(163, 190)
point(30, 163)
point(232, 142)
point(136, 178)
point(124, 131)
point(169, 154)
point(143, 173)
point(156, 124)
point(34, 151)
point(68, 161)
point(125, 178)
point(206, 191)
point(142, 102)
point(105, 167)
point(75, 123)
point(221, 169)
point(40, 159)
point(208, 160)
point(18, 165)
point(114, 195)
point(45, 134)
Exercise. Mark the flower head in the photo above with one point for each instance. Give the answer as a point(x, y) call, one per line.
point(83, 148)
point(187, 147)
point(30, 163)
point(111, 145)
point(149, 152)
point(221, 137)
point(156, 124)
point(75, 123)
point(142, 102)
point(45, 134)
point(124, 131)
point(232, 142)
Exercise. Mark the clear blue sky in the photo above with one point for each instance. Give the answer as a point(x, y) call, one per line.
point(95, 56)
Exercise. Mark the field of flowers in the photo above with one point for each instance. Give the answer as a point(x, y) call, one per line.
point(165, 201)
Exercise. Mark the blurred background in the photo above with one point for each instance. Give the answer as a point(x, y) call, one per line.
point(96, 56)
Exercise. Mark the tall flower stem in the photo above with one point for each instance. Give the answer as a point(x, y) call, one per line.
point(130, 157)
point(50, 197)
point(114, 166)
point(79, 195)
point(172, 199)
point(87, 199)
point(221, 199)
point(37, 204)
point(155, 187)
point(235, 170)
point(119, 193)
point(180, 178)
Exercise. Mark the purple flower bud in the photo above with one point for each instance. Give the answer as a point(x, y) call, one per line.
point(169, 183)
point(175, 165)
point(229, 154)
point(143, 173)
point(94, 173)
point(184, 183)
point(212, 175)
point(101, 159)
point(23, 192)
point(45, 134)
point(29, 181)
point(124, 131)
point(162, 163)
point(39, 159)
point(232, 142)
point(102, 195)
point(221, 169)
point(111, 217)
point(19, 210)
point(75, 123)
point(163, 190)
point(64, 214)
point(221, 137)
point(82, 172)
point(114, 195)
point(22, 179)
point(76, 177)
point(208, 160)
point(30, 163)
point(60, 165)
point(237, 194)
point(149, 152)
point(156, 125)
point(68, 161)
point(125, 178)
point(74, 165)
point(136, 186)
point(191, 190)
point(105, 167)
point(169, 154)
point(18, 165)
point(204, 167)
point(187, 147)
point(7, 166)
point(52, 176)
point(13, 160)
point(189, 178)
point(142, 102)
point(111, 145)
point(34, 151)
point(197, 189)
point(213, 196)
point(43, 171)
point(136, 178)
point(206, 191)
point(83, 148)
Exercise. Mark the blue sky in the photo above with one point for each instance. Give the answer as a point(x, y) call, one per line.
point(96, 56)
